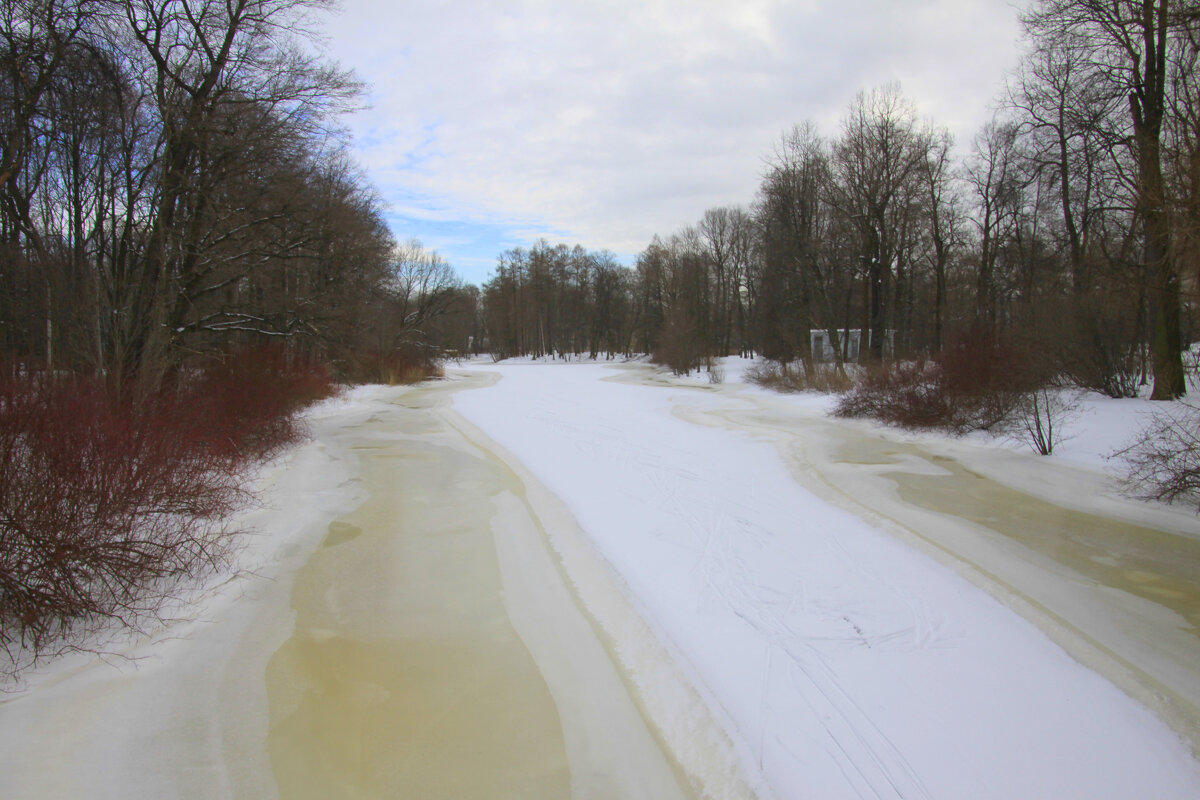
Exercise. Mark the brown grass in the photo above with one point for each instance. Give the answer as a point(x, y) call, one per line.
point(823, 378)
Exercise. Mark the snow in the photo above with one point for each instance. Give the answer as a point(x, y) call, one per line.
point(840, 660)
point(843, 662)
point(1102, 427)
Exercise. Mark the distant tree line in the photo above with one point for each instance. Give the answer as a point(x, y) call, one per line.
point(556, 300)
point(1067, 229)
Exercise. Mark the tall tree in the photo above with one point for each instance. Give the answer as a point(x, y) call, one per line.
point(798, 283)
point(1127, 44)
point(995, 174)
point(942, 220)
point(877, 158)
point(201, 63)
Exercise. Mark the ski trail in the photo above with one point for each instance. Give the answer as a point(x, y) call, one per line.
point(875, 767)
point(845, 664)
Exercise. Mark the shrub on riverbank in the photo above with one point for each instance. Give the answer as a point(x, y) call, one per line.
point(392, 368)
point(1163, 461)
point(106, 506)
point(975, 384)
point(823, 378)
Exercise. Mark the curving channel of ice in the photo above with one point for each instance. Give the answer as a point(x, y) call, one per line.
point(440, 651)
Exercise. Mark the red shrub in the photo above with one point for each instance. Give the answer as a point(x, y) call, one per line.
point(244, 405)
point(104, 507)
point(974, 384)
point(909, 395)
point(97, 507)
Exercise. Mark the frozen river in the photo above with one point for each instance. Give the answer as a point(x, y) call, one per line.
point(439, 650)
point(583, 581)
point(405, 629)
point(1114, 581)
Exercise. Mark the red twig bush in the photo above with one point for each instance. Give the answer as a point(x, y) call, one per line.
point(105, 507)
point(975, 384)
point(244, 405)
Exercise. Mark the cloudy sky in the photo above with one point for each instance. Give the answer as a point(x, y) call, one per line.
point(603, 122)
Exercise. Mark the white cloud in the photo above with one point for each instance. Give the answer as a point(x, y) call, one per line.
point(608, 122)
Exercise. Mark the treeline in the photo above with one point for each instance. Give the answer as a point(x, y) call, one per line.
point(1066, 229)
point(556, 300)
point(174, 182)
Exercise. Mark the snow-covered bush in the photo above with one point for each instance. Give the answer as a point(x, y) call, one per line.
point(1163, 462)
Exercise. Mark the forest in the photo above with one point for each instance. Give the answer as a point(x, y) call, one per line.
point(175, 181)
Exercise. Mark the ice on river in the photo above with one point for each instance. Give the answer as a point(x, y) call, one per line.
point(772, 639)
point(843, 662)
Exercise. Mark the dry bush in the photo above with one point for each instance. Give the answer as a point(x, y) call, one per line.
point(392, 368)
point(909, 394)
point(244, 404)
point(824, 378)
point(98, 506)
point(1039, 418)
point(985, 380)
point(1100, 346)
point(106, 507)
point(677, 347)
point(1163, 462)
point(975, 384)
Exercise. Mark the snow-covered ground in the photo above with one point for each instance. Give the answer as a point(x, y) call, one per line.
point(788, 584)
point(843, 662)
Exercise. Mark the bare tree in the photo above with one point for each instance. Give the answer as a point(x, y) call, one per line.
point(424, 286)
point(996, 176)
point(880, 153)
point(798, 284)
point(943, 220)
point(1126, 45)
point(203, 62)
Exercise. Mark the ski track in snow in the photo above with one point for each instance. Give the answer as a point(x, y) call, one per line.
point(868, 759)
point(792, 611)
point(865, 755)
